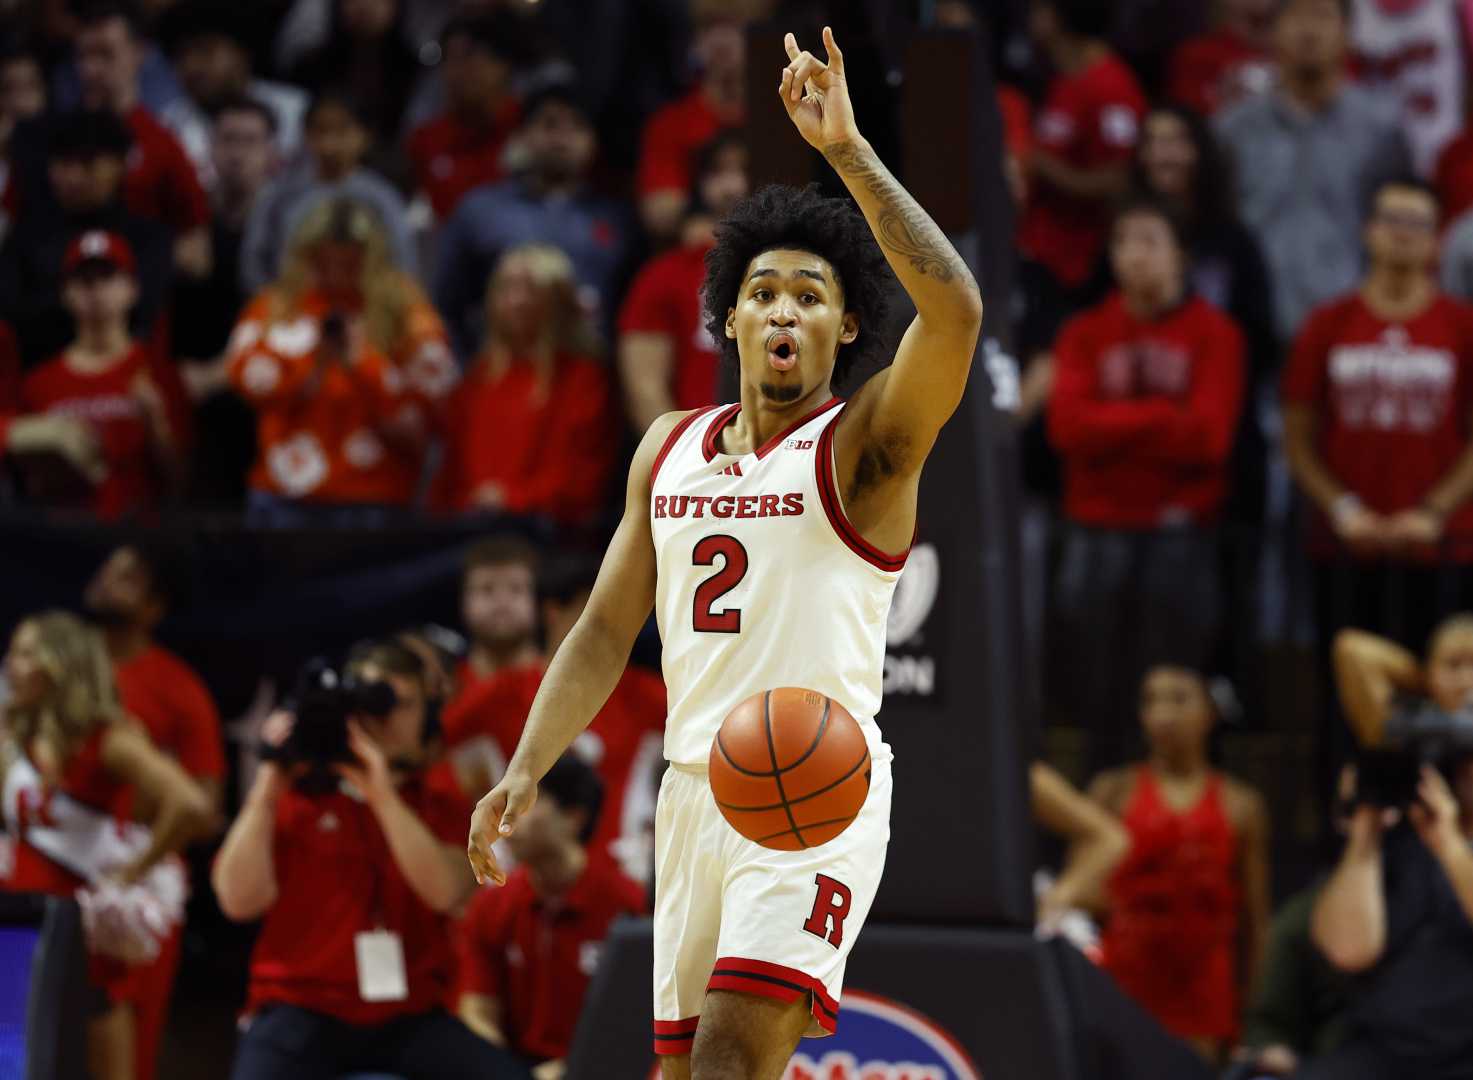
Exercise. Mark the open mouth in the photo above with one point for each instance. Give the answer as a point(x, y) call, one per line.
point(782, 350)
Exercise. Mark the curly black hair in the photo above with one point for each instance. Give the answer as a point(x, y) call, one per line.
point(802, 219)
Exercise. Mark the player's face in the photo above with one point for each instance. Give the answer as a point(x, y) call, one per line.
point(1176, 713)
point(1402, 230)
point(788, 324)
point(1450, 670)
point(498, 603)
point(24, 674)
point(121, 591)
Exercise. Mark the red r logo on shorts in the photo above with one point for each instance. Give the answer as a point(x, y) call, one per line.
point(831, 905)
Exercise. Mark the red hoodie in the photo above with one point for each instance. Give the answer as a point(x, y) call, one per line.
point(1143, 413)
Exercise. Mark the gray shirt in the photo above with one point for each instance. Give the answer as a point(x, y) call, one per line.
point(1305, 182)
point(1457, 258)
point(292, 196)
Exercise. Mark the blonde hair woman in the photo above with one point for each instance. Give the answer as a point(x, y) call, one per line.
point(346, 363)
point(73, 768)
point(531, 430)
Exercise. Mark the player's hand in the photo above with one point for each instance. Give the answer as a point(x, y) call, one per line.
point(816, 94)
point(495, 816)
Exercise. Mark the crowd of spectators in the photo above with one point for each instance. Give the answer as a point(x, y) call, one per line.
point(337, 262)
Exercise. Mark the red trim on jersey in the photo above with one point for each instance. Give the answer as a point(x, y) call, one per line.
point(670, 440)
point(772, 444)
point(783, 984)
point(828, 494)
point(708, 444)
point(675, 1036)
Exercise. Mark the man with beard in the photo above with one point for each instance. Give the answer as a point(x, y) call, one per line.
point(128, 597)
point(498, 601)
point(548, 201)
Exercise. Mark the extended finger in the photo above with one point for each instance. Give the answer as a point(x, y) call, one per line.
point(791, 44)
point(803, 69)
point(831, 48)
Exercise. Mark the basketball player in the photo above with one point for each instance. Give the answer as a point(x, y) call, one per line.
point(768, 535)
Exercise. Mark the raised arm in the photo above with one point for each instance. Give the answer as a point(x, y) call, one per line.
point(1369, 670)
point(586, 666)
point(906, 405)
point(1098, 842)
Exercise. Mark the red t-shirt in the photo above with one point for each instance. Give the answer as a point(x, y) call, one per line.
point(1143, 413)
point(671, 138)
point(1454, 176)
point(665, 299)
point(105, 400)
point(1171, 938)
point(1394, 403)
point(1017, 120)
point(1089, 121)
point(547, 448)
point(1216, 69)
point(336, 878)
point(537, 958)
point(623, 744)
point(161, 183)
point(161, 691)
point(450, 156)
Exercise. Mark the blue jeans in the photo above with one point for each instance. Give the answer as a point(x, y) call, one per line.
point(284, 1040)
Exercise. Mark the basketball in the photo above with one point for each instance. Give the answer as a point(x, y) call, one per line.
point(789, 768)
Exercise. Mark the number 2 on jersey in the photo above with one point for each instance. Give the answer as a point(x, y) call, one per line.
point(733, 569)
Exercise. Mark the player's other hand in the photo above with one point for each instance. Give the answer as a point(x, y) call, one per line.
point(495, 816)
point(816, 94)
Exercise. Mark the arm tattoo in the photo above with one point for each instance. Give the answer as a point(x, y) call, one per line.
point(901, 226)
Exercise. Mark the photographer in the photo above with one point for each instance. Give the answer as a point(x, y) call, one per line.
point(1398, 910)
point(350, 847)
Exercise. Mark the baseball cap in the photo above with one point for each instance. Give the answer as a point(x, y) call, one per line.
point(96, 245)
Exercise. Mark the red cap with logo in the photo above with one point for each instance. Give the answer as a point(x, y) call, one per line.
point(95, 245)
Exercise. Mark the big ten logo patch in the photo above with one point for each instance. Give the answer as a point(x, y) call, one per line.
point(798, 444)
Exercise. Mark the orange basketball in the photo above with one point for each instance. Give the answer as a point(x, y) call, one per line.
point(789, 768)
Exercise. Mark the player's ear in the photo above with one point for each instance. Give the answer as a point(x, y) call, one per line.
point(731, 323)
point(849, 328)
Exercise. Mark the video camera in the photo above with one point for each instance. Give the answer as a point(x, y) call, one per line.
point(323, 699)
point(1417, 733)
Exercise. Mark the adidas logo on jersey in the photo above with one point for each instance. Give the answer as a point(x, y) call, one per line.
point(729, 506)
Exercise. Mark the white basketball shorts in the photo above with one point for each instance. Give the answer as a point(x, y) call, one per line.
point(732, 915)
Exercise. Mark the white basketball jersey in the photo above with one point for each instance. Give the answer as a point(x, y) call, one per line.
point(762, 580)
